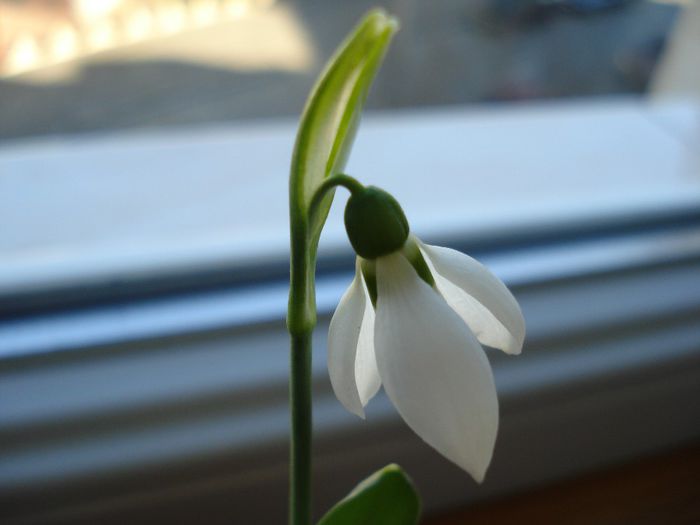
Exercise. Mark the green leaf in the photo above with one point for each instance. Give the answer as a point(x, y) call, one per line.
point(329, 122)
point(387, 497)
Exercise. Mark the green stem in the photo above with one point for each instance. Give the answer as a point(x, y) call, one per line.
point(301, 319)
point(301, 421)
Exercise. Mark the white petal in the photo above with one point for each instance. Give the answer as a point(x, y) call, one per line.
point(351, 363)
point(433, 368)
point(366, 372)
point(479, 297)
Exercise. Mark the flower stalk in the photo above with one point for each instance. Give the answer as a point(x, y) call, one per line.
point(301, 430)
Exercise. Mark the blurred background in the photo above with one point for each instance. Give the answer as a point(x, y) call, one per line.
point(79, 66)
point(144, 156)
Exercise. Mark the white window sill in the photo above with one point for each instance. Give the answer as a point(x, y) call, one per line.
point(80, 211)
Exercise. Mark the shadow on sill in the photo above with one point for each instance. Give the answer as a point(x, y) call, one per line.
point(663, 489)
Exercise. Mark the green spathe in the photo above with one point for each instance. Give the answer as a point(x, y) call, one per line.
point(324, 139)
point(375, 223)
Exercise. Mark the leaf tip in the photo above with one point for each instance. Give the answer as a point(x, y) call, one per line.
point(392, 467)
point(381, 21)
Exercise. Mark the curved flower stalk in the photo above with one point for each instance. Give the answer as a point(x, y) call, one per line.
point(413, 320)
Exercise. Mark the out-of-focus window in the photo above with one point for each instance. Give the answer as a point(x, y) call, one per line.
point(74, 66)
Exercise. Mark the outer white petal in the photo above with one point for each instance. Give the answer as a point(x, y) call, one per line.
point(433, 368)
point(351, 363)
point(479, 297)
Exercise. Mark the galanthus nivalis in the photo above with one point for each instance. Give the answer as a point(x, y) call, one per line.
point(413, 320)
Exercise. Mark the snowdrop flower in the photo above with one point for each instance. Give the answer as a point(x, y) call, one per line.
point(412, 320)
